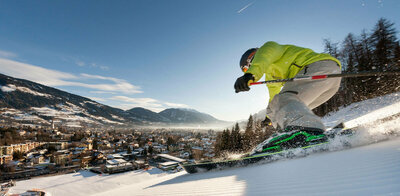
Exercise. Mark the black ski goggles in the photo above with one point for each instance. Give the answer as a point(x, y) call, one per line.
point(248, 61)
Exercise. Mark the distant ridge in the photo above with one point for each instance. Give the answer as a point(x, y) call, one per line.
point(25, 101)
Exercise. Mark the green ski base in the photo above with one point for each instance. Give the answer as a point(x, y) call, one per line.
point(264, 157)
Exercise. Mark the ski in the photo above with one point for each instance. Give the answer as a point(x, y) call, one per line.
point(266, 157)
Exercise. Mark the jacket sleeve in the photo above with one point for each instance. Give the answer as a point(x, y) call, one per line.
point(269, 53)
point(274, 89)
point(265, 56)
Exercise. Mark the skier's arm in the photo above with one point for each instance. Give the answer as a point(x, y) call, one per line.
point(265, 56)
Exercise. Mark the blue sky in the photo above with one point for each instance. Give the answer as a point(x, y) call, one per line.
point(159, 54)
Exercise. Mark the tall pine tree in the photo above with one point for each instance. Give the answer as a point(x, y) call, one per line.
point(249, 135)
point(384, 41)
point(236, 138)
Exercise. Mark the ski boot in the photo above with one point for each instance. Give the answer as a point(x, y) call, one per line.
point(291, 137)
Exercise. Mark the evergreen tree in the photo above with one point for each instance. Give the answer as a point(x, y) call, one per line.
point(95, 145)
point(237, 143)
point(227, 140)
point(397, 56)
point(331, 48)
point(258, 132)
point(150, 151)
point(170, 141)
point(222, 143)
point(17, 155)
point(378, 51)
point(144, 153)
point(351, 54)
point(218, 144)
point(366, 51)
point(249, 136)
point(384, 42)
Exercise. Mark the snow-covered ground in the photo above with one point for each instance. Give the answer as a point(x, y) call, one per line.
point(365, 111)
point(371, 167)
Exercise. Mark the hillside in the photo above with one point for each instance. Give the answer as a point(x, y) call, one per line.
point(24, 101)
point(177, 115)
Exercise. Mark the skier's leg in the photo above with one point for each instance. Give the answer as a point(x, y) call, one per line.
point(286, 109)
point(327, 94)
point(290, 110)
point(292, 107)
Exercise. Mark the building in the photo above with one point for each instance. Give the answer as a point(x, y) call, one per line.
point(140, 164)
point(168, 162)
point(57, 145)
point(38, 159)
point(167, 157)
point(118, 165)
point(197, 152)
point(24, 148)
point(5, 159)
point(62, 157)
point(7, 150)
point(169, 165)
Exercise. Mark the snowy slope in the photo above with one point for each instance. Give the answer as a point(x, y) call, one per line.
point(365, 111)
point(371, 167)
point(369, 170)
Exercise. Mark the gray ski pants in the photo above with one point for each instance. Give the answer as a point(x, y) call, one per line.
point(293, 105)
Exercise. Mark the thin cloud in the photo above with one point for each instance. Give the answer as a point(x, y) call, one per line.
point(80, 63)
point(129, 103)
point(90, 76)
point(245, 7)
point(102, 67)
point(105, 68)
point(34, 73)
point(148, 103)
point(119, 86)
point(6, 54)
point(176, 105)
point(101, 92)
point(57, 78)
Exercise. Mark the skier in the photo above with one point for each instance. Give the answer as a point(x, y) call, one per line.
point(290, 104)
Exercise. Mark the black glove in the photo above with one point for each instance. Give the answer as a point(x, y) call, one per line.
point(241, 83)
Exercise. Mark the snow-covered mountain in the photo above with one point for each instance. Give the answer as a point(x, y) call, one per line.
point(182, 115)
point(26, 102)
point(370, 167)
point(147, 115)
point(173, 115)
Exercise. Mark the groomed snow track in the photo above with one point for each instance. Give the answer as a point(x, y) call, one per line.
point(365, 170)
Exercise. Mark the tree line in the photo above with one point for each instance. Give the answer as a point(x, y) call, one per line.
point(375, 50)
point(235, 141)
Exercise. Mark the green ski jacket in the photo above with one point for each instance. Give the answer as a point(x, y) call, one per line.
point(282, 61)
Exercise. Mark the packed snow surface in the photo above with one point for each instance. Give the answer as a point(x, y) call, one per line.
point(365, 111)
point(370, 167)
point(366, 170)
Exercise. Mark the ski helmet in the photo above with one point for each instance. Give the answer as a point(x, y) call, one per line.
point(247, 58)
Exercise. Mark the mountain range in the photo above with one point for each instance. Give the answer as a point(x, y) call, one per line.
point(29, 102)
